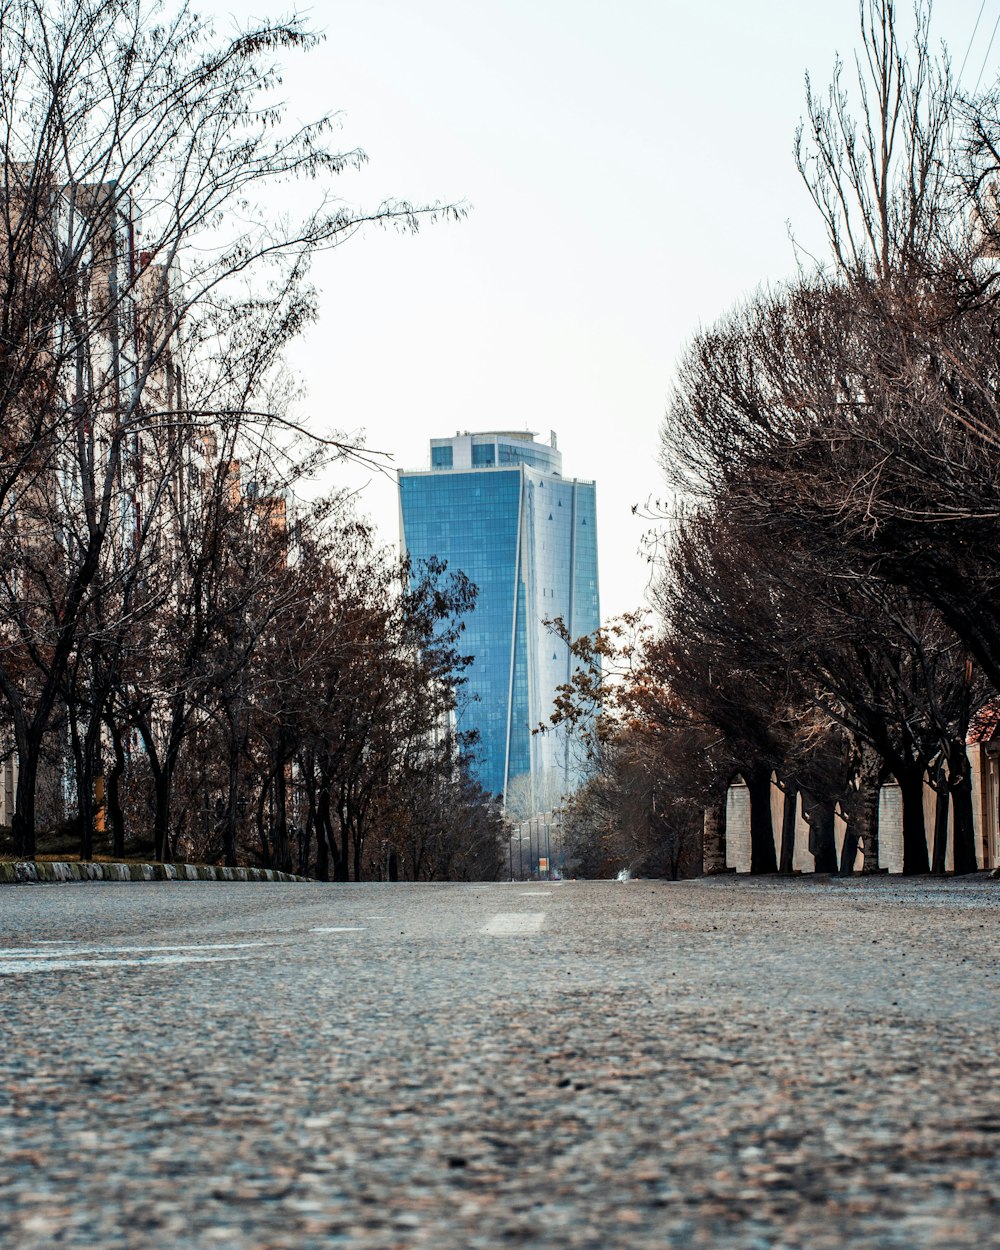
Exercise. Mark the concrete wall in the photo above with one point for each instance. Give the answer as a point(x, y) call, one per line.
point(890, 828)
point(803, 859)
point(986, 805)
point(738, 826)
point(8, 787)
point(839, 834)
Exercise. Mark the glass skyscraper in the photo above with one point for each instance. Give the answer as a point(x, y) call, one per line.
point(496, 506)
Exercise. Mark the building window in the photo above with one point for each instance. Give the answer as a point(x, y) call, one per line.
point(441, 457)
point(482, 454)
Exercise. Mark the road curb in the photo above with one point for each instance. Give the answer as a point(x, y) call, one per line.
point(32, 872)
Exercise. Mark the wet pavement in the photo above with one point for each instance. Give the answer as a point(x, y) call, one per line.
point(723, 1063)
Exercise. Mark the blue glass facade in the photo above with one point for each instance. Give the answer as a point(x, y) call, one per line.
point(527, 537)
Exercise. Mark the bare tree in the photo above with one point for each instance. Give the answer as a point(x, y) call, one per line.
point(883, 180)
point(139, 262)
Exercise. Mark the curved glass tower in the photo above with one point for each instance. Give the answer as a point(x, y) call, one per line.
point(496, 506)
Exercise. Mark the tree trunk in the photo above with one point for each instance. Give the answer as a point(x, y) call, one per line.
point(911, 786)
point(868, 824)
point(323, 835)
point(163, 778)
point(860, 810)
point(161, 816)
point(179, 833)
point(342, 868)
point(304, 840)
point(861, 807)
point(325, 820)
point(789, 812)
point(418, 850)
point(359, 845)
point(941, 804)
point(116, 815)
point(23, 824)
point(822, 839)
point(849, 851)
point(161, 799)
point(279, 831)
point(762, 856)
point(714, 839)
point(963, 819)
point(232, 798)
point(23, 820)
point(262, 831)
point(171, 759)
point(84, 791)
point(85, 752)
point(92, 765)
point(311, 828)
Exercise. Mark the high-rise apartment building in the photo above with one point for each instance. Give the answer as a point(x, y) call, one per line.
point(496, 506)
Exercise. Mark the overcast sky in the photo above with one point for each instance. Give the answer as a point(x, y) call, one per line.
point(628, 170)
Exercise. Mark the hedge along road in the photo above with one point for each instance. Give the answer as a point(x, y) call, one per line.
point(718, 1063)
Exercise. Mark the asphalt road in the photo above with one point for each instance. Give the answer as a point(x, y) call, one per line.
point(713, 1064)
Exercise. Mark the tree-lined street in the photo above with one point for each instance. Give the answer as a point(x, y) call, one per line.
point(776, 1063)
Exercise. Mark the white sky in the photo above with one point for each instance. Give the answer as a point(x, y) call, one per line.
point(629, 172)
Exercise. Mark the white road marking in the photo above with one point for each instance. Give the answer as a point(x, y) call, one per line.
point(16, 954)
point(15, 966)
point(534, 893)
point(23, 952)
point(341, 929)
point(514, 923)
point(29, 953)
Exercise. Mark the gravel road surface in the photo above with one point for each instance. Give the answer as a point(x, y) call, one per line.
point(720, 1064)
